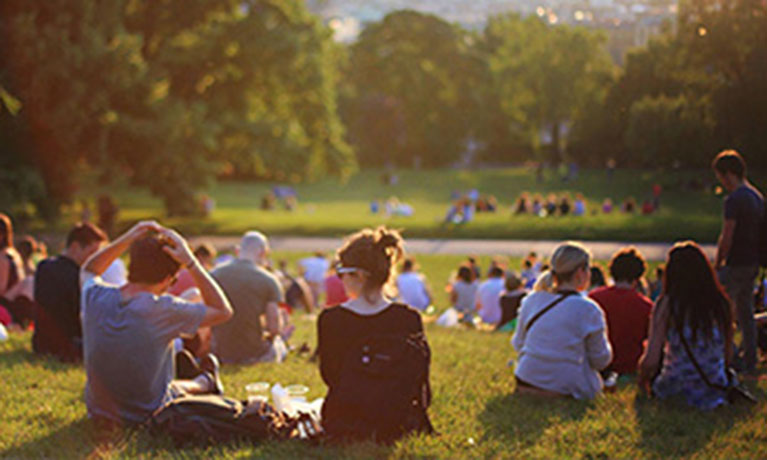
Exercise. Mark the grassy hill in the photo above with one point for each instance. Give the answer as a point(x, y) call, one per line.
point(328, 208)
point(474, 409)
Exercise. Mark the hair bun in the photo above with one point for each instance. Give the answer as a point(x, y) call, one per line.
point(389, 241)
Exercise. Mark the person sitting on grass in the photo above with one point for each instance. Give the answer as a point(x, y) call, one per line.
point(357, 406)
point(561, 335)
point(412, 287)
point(511, 298)
point(488, 301)
point(128, 332)
point(694, 314)
point(463, 291)
point(627, 311)
point(57, 293)
point(255, 295)
point(11, 268)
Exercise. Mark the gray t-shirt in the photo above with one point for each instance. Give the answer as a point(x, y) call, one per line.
point(128, 349)
point(249, 288)
point(466, 295)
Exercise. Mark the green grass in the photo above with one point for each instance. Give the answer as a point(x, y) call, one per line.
point(474, 409)
point(328, 208)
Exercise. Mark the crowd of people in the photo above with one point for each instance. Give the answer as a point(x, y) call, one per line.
point(161, 328)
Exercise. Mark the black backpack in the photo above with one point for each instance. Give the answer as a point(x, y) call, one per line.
point(212, 419)
point(382, 391)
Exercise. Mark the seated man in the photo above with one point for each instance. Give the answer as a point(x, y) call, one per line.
point(254, 294)
point(128, 332)
point(57, 293)
point(627, 311)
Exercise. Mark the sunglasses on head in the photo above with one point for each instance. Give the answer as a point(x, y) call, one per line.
point(341, 270)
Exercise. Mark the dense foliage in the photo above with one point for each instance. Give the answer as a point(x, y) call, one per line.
point(169, 94)
point(689, 94)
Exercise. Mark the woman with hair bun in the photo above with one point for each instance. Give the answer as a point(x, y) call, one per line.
point(366, 263)
point(561, 335)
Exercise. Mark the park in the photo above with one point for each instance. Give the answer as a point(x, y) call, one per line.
point(219, 118)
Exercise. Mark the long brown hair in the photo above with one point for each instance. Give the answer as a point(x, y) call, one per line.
point(375, 251)
point(695, 296)
point(6, 232)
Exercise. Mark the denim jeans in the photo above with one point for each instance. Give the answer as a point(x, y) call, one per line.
point(739, 282)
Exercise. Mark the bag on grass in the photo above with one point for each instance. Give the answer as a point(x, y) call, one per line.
point(208, 419)
point(383, 390)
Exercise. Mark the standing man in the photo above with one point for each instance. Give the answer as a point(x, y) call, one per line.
point(57, 292)
point(255, 295)
point(737, 255)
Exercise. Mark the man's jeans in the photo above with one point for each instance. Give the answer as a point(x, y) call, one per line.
point(739, 281)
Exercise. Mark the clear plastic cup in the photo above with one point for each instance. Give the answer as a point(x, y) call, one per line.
point(258, 392)
point(297, 392)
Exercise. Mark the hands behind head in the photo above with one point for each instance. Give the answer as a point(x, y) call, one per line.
point(177, 247)
point(143, 227)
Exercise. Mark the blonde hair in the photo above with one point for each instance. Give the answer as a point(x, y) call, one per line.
point(565, 261)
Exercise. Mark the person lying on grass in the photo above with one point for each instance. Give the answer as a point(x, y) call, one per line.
point(128, 332)
point(561, 334)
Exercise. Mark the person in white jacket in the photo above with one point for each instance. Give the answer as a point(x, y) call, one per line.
point(561, 335)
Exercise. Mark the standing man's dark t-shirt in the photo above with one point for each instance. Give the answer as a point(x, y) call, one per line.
point(745, 205)
point(57, 325)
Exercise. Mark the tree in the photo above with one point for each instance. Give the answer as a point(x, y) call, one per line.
point(663, 131)
point(544, 77)
point(168, 92)
point(407, 93)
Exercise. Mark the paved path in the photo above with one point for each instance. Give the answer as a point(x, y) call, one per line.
point(515, 248)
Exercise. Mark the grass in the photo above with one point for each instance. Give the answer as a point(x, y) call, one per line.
point(474, 409)
point(328, 208)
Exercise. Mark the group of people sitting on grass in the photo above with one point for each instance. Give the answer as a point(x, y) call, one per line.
point(372, 349)
point(565, 205)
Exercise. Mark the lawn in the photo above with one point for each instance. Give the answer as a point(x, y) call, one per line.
point(327, 208)
point(474, 409)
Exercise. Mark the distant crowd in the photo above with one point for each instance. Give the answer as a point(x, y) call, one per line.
point(157, 330)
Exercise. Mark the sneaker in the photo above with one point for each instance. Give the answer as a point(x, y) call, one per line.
point(210, 365)
point(186, 367)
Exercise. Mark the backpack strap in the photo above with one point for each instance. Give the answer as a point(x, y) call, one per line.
point(697, 366)
point(548, 307)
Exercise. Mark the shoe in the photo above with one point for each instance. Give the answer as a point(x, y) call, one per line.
point(210, 366)
point(186, 366)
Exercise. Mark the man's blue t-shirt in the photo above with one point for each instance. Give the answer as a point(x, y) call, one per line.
point(745, 205)
point(128, 349)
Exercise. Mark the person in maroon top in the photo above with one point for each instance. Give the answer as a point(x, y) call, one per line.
point(627, 311)
point(365, 265)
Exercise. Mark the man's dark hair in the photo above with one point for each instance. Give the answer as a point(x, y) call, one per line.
point(149, 263)
point(730, 161)
point(84, 234)
point(204, 250)
point(627, 265)
point(408, 265)
point(496, 272)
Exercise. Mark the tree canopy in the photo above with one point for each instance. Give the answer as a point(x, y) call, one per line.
point(169, 94)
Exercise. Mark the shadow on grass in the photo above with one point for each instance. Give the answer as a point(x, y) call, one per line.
point(513, 418)
point(671, 428)
point(81, 439)
point(24, 356)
